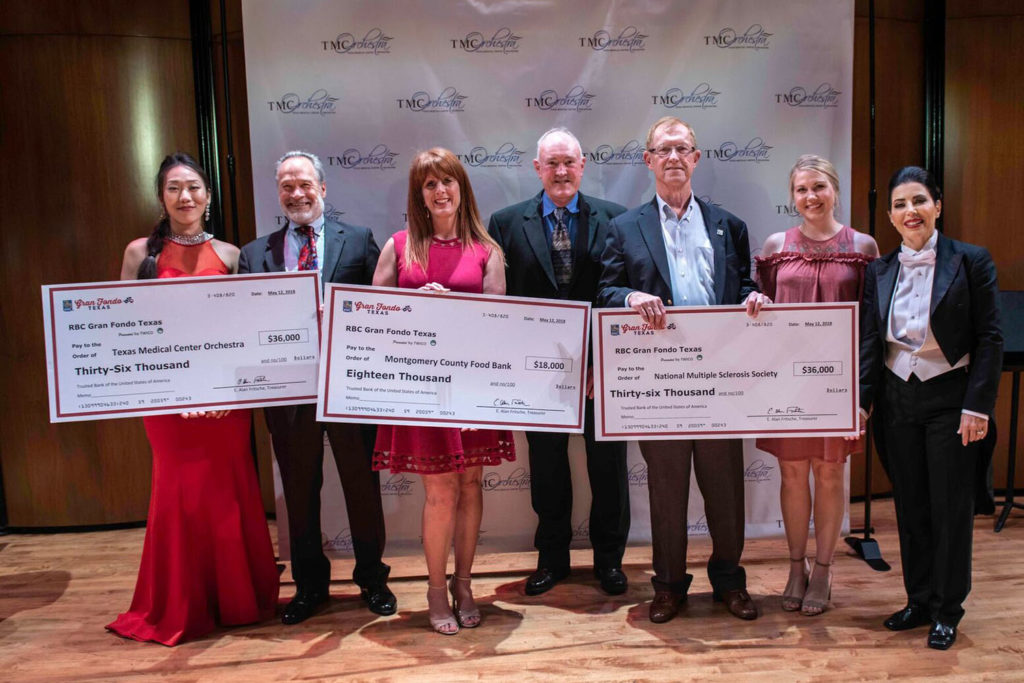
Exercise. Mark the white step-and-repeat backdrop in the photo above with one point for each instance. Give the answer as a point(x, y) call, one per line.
point(366, 84)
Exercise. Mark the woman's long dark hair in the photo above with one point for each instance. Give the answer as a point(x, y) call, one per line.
point(155, 243)
point(915, 174)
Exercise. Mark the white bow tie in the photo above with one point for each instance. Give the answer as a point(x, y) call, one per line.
point(921, 258)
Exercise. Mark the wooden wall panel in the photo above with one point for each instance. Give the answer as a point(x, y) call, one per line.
point(86, 119)
point(984, 152)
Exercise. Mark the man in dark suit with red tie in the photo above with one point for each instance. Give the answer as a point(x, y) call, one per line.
point(553, 243)
point(341, 253)
point(677, 250)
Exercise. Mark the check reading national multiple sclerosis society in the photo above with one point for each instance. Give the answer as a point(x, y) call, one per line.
point(716, 373)
point(151, 347)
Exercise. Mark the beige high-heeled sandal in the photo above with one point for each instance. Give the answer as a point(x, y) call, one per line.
point(793, 596)
point(443, 621)
point(813, 604)
point(468, 617)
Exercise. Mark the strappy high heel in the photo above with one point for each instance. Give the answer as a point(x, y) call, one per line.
point(813, 604)
point(463, 605)
point(793, 596)
point(442, 620)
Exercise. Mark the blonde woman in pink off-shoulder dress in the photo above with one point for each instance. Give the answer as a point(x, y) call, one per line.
point(819, 260)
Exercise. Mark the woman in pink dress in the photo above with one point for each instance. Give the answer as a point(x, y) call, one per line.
point(207, 557)
point(819, 260)
point(445, 247)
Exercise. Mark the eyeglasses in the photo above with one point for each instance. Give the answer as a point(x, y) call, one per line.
point(681, 150)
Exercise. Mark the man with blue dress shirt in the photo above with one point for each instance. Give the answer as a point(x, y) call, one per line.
point(553, 243)
point(677, 250)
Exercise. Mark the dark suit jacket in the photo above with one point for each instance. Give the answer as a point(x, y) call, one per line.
point(634, 257)
point(964, 318)
point(350, 257)
point(350, 254)
point(522, 234)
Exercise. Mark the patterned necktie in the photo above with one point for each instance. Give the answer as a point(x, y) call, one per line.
point(307, 255)
point(561, 249)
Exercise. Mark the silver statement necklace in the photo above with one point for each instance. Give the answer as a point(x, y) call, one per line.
point(190, 240)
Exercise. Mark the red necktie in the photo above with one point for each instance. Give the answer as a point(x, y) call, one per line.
point(307, 255)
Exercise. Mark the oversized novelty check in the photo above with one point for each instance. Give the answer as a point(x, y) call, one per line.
point(716, 373)
point(399, 356)
point(150, 347)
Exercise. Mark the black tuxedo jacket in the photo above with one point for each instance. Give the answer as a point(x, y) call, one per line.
point(522, 234)
point(634, 257)
point(964, 318)
point(350, 254)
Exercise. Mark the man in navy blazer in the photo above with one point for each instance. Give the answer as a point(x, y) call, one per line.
point(527, 232)
point(679, 251)
point(342, 253)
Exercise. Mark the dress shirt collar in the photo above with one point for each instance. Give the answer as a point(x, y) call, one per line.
point(548, 206)
point(687, 216)
point(929, 245)
point(317, 225)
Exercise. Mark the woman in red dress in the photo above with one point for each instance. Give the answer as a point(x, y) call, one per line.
point(445, 247)
point(819, 260)
point(207, 557)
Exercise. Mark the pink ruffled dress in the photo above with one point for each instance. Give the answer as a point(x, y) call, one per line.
point(805, 271)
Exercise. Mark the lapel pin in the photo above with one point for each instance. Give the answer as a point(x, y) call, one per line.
point(721, 232)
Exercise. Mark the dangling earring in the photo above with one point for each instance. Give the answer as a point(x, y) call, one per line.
point(163, 212)
point(206, 214)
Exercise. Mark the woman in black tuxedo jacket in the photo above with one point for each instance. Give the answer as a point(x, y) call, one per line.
point(930, 358)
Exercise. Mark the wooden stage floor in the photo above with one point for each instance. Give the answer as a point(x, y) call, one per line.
point(58, 591)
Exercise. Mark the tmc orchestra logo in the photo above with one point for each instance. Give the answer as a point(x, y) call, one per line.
point(576, 99)
point(320, 102)
point(628, 39)
point(637, 475)
point(380, 158)
point(397, 485)
point(754, 38)
point(703, 96)
point(786, 210)
point(629, 154)
point(516, 480)
point(449, 101)
point(502, 41)
point(758, 471)
point(756, 151)
point(373, 42)
point(330, 213)
point(698, 527)
point(506, 155)
point(706, 198)
point(341, 542)
point(823, 97)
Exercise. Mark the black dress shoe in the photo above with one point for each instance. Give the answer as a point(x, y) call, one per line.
point(907, 618)
point(304, 605)
point(613, 580)
point(543, 580)
point(941, 636)
point(379, 598)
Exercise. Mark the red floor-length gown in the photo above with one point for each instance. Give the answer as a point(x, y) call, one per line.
point(207, 558)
